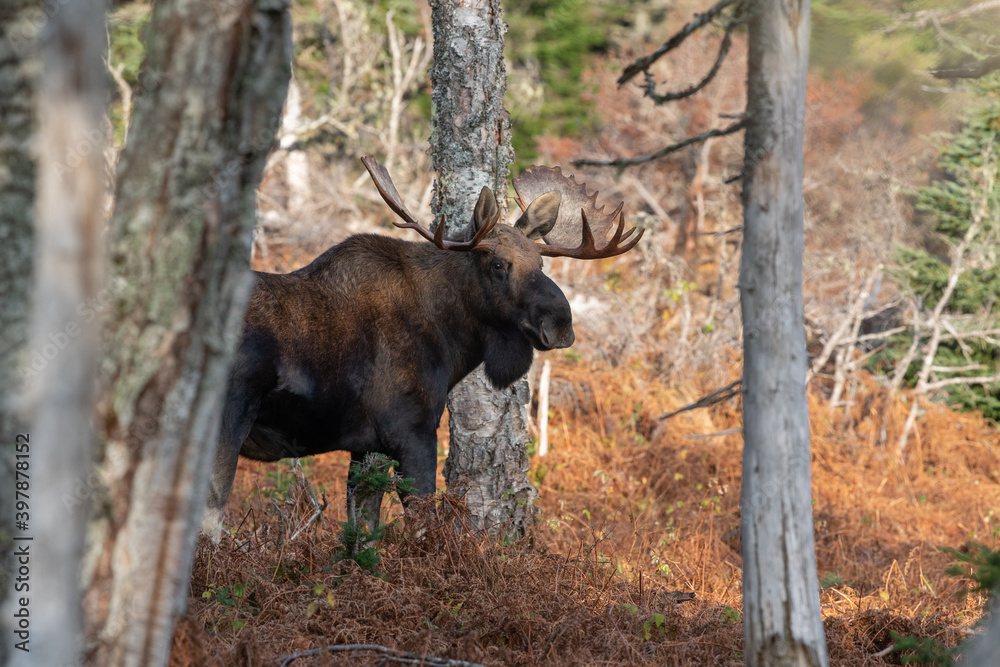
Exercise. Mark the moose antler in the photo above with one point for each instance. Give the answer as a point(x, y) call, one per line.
point(380, 176)
point(593, 221)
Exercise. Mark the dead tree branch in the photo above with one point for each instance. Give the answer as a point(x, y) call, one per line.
point(853, 315)
point(717, 396)
point(951, 382)
point(973, 70)
point(935, 321)
point(719, 434)
point(621, 163)
point(651, 93)
point(927, 17)
point(642, 64)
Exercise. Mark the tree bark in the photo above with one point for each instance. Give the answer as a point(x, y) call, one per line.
point(19, 72)
point(68, 273)
point(179, 246)
point(470, 144)
point(781, 609)
point(984, 647)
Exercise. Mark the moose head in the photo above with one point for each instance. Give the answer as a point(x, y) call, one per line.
point(509, 258)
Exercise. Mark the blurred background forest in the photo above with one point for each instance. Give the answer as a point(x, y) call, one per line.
point(639, 512)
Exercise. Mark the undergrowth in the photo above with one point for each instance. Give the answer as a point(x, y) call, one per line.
point(981, 566)
point(637, 557)
point(362, 530)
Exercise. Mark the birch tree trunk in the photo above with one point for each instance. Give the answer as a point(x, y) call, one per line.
point(179, 246)
point(470, 144)
point(780, 588)
point(19, 72)
point(65, 348)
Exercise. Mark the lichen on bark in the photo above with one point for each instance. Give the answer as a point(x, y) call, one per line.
point(179, 249)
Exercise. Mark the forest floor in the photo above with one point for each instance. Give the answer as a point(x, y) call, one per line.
point(636, 556)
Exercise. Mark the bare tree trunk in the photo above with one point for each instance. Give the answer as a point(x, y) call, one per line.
point(780, 588)
point(68, 273)
point(19, 72)
point(179, 243)
point(470, 141)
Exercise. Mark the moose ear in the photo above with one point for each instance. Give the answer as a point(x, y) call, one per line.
point(541, 215)
point(486, 209)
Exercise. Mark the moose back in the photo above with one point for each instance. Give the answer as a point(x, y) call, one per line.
point(358, 350)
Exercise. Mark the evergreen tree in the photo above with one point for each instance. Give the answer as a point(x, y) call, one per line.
point(947, 207)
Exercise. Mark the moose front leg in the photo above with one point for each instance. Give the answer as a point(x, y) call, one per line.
point(419, 463)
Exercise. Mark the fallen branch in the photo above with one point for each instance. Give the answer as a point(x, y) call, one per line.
point(701, 436)
point(957, 369)
point(722, 233)
point(851, 321)
point(717, 396)
point(974, 70)
point(948, 382)
point(319, 510)
point(884, 652)
point(389, 654)
point(880, 334)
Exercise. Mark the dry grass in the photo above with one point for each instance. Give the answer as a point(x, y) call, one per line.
point(634, 514)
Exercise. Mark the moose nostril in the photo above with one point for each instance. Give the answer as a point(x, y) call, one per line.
point(544, 336)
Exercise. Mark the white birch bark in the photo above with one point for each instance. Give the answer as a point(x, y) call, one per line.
point(781, 609)
point(63, 349)
point(20, 68)
point(470, 144)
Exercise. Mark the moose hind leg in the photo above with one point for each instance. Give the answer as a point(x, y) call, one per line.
point(237, 420)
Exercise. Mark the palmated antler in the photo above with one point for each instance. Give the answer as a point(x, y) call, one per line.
point(380, 176)
point(592, 223)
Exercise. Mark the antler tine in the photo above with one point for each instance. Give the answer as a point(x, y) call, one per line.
point(588, 249)
point(385, 187)
point(621, 224)
point(593, 221)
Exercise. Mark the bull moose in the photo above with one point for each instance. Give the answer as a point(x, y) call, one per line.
point(358, 350)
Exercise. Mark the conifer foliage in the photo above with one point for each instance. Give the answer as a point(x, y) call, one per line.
point(961, 209)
